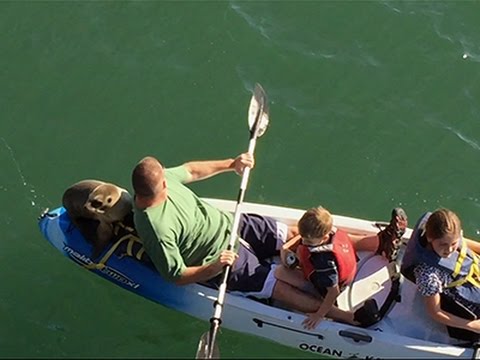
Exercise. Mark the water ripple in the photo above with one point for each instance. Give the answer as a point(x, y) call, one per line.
point(310, 44)
point(254, 24)
point(471, 142)
point(29, 190)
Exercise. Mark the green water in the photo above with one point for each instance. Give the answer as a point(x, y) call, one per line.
point(373, 105)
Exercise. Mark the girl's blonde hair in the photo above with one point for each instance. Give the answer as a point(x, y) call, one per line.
point(315, 223)
point(442, 222)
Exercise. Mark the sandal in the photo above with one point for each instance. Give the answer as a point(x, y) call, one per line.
point(390, 237)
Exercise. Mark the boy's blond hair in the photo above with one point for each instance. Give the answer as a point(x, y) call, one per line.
point(315, 223)
point(442, 222)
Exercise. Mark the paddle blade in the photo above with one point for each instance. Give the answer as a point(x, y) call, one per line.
point(258, 112)
point(203, 347)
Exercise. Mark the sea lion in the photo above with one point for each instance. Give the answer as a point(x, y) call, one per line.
point(94, 206)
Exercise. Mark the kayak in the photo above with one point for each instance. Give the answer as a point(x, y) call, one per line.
point(405, 330)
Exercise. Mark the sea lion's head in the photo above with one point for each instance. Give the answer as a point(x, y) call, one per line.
point(102, 198)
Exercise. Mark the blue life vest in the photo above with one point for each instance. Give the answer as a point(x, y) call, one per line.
point(463, 264)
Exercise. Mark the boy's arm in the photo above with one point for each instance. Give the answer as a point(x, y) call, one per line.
point(292, 243)
point(328, 302)
point(289, 246)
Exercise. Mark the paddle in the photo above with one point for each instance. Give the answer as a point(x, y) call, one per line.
point(476, 350)
point(257, 121)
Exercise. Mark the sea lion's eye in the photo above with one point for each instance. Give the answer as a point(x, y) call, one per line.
point(109, 200)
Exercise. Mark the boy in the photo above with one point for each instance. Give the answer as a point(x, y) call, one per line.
point(327, 258)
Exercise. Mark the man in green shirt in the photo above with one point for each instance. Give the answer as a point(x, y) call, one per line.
point(186, 238)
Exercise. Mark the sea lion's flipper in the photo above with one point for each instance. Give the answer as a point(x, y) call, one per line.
point(104, 234)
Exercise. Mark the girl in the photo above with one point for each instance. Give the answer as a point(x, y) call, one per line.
point(439, 261)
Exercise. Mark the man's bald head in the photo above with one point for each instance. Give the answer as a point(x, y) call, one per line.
point(148, 177)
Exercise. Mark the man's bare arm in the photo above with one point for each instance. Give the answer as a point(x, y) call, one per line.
point(193, 274)
point(200, 170)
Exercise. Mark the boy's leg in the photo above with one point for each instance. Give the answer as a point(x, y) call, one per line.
point(301, 301)
point(365, 243)
point(251, 278)
point(387, 241)
point(295, 278)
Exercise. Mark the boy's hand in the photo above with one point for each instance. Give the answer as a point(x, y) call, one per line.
point(312, 320)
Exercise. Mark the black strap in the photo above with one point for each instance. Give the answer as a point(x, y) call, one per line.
point(393, 295)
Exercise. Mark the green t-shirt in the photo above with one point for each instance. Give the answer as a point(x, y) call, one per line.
point(184, 230)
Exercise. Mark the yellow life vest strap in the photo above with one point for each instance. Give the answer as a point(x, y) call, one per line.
point(126, 227)
point(131, 240)
point(140, 253)
point(461, 259)
point(130, 248)
point(473, 275)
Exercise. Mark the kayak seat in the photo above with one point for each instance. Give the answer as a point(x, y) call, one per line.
point(125, 244)
point(453, 307)
point(128, 243)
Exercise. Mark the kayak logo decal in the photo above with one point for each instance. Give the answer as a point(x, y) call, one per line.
point(83, 260)
point(320, 349)
point(332, 352)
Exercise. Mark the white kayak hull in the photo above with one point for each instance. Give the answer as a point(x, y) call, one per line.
point(405, 332)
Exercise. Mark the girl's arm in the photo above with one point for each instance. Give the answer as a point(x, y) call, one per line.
point(473, 245)
point(432, 304)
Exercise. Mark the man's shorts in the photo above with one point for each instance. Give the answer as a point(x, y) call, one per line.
point(252, 273)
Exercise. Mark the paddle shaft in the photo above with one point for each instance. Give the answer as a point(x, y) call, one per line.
point(476, 350)
point(216, 318)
